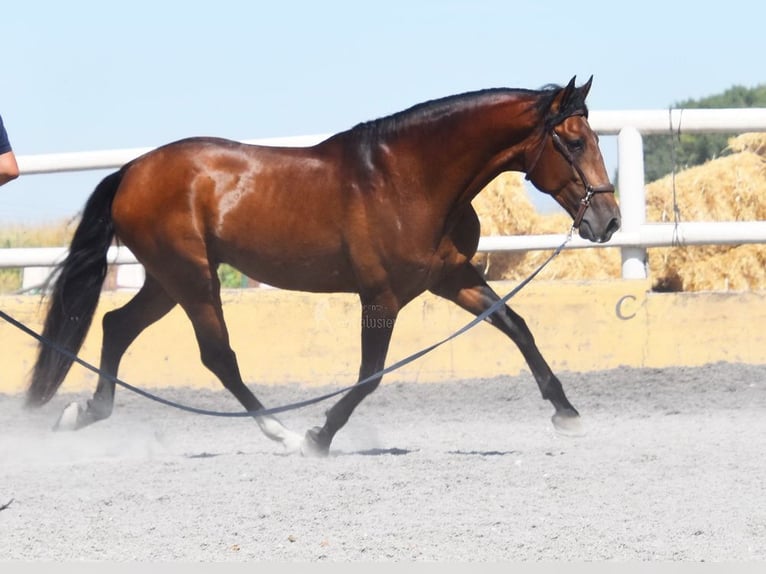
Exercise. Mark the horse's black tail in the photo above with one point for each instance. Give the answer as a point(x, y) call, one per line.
point(76, 292)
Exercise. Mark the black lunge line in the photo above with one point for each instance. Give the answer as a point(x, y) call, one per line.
point(300, 404)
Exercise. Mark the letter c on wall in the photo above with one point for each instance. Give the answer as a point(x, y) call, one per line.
point(618, 308)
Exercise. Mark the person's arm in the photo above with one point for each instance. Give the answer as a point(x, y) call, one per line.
point(9, 169)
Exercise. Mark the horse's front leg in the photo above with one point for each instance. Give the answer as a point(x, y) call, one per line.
point(378, 318)
point(466, 287)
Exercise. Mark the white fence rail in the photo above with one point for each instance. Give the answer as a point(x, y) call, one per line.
point(633, 239)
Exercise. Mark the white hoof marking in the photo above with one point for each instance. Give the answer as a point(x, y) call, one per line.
point(69, 417)
point(276, 431)
point(568, 426)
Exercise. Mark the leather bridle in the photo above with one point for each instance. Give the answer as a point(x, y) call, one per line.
point(590, 190)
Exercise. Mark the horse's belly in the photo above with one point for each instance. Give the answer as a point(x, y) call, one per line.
point(316, 274)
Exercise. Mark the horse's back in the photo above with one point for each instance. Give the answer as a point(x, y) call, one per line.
point(270, 211)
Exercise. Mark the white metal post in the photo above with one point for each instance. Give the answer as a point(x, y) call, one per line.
point(632, 198)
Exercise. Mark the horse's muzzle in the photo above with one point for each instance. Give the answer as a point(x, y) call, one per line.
point(596, 232)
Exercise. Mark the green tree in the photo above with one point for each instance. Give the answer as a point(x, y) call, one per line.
point(231, 278)
point(665, 152)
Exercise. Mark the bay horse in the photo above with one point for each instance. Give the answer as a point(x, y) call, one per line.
point(382, 210)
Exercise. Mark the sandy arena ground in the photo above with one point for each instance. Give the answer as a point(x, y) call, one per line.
point(673, 467)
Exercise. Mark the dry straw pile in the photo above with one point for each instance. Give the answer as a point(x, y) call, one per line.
point(730, 188)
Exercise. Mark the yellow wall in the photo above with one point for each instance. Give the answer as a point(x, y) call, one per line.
point(299, 337)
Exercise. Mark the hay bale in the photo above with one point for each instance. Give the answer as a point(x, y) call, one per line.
point(752, 142)
point(730, 188)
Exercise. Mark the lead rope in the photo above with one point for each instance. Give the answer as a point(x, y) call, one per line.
point(300, 404)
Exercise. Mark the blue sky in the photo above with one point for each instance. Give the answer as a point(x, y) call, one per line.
point(100, 75)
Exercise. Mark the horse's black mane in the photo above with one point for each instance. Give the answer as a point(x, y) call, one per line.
point(575, 105)
point(432, 109)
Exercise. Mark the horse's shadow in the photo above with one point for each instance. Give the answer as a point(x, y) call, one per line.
point(403, 451)
point(394, 451)
point(375, 452)
point(483, 452)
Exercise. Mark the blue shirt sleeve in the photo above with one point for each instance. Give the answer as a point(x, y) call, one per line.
point(5, 144)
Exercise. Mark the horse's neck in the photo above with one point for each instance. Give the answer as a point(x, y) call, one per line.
point(461, 154)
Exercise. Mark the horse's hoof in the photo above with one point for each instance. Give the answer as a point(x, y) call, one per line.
point(315, 443)
point(69, 419)
point(292, 442)
point(276, 431)
point(568, 423)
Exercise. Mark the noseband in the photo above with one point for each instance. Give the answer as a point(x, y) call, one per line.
point(590, 190)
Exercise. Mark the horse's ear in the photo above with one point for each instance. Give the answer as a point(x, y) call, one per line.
point(564, 96)
point(568, 91)
point(585, 88)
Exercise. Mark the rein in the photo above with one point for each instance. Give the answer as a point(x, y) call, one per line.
point(300, 404)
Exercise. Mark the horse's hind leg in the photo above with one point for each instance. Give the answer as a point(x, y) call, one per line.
point(467, 288)
point(199, 295)
point(120, 327)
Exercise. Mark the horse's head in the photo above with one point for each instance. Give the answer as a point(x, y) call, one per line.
point(564, 161)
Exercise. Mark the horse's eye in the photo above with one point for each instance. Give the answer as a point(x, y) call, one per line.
point(575, 145)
